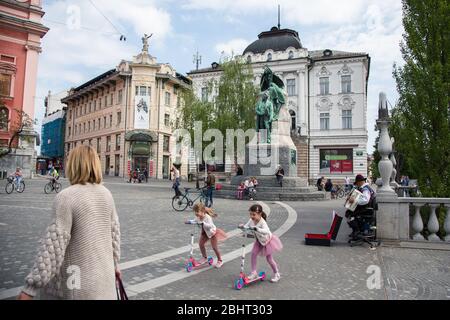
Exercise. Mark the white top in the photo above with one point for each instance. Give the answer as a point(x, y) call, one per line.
point(176, 174)
point(262, 233)
point(365, 198)
point(208, 225)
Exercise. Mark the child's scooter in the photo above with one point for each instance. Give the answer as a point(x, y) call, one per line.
point(243, 278)
point(191, 263)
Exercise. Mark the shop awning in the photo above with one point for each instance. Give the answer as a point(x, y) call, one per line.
point(141, 136)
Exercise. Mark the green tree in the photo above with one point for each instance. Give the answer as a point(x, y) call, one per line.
point(420, 120)
point(234, 105)
point(376, 160)
point(231, 104)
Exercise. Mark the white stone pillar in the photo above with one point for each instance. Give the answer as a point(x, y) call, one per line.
point(447, 224)
point(433, 223)
point(417, 224)
point(384, 148)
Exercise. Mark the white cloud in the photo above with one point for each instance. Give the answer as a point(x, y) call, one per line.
point(232, 47)
point(370, 26)
point(73, 55)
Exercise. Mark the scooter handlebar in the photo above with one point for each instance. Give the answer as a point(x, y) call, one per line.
point(193, 222)
point(247, 228)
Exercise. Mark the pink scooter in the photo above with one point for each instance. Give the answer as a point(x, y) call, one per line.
point(191, 263)
point(244, 280)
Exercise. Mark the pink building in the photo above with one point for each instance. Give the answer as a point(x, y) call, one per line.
point(21, 31)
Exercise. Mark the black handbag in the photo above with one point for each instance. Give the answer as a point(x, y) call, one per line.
point(120, 290)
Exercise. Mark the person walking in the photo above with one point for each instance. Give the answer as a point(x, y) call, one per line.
point(146, 175)
point(176, 180)
point(280, 175)
point(210, 186)
point(79, 256)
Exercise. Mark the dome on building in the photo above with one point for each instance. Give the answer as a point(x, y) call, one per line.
point(276, 40)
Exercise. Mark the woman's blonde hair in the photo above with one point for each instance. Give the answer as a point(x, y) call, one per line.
point(201, 207)
point(83, 166)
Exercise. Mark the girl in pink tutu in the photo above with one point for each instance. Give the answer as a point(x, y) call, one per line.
point(209, 232)
point(266, 243)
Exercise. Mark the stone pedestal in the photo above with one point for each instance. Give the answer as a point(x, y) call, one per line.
point(262, 159)
point(24, 156)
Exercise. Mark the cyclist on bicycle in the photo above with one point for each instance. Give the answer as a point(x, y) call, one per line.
point(18, 177)
point(54, 175)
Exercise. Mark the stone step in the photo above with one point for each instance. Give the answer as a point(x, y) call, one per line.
point(275, 189)
point(274, 196)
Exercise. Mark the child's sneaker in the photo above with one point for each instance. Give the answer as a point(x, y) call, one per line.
point(276, 277)
point(253, 276)
point(219, 264)
point(202, 261)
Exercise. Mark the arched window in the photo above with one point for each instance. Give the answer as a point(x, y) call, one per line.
point(269, 57)
point(4, 117)
point(293, 120)
point(291, 54)
point(249, 59)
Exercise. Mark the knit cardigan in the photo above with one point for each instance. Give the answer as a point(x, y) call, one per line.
point(81, 248)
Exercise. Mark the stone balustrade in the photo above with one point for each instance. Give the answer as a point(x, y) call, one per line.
point(417, 224)
point(394, 221)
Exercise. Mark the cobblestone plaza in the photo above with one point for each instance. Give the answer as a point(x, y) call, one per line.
point(155, 245)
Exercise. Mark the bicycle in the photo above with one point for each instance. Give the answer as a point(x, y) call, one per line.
point(182, 201)
point(342, 191)
point(12, 185)
point(53, 185)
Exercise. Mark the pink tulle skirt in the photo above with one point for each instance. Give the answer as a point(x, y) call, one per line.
point(273, 246)
point(220, 235)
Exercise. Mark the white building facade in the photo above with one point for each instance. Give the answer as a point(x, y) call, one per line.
point(326, 97)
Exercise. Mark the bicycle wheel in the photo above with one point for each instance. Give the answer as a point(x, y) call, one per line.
point(21, 188)
point(340, 193)
point(48, 188)
point(58, 187)
point(9, 188)
point(180, 203)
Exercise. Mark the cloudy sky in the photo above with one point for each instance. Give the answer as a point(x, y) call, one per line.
point(82, 43)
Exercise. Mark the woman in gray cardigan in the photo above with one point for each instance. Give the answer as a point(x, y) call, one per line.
point(79, 255)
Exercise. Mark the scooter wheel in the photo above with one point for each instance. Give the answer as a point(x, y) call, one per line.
point(210, 261)
point(189, 267)
point(262, 275)
point(239, 284)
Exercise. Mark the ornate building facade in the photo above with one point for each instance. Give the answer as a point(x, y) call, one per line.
point(326, 98)
point(21, 32)
point(128, 114)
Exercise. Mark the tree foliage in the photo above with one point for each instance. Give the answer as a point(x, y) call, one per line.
point(420, 120)
point(230, 104)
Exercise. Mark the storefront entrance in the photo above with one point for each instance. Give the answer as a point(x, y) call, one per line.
point(140, 163)
point(140, 149)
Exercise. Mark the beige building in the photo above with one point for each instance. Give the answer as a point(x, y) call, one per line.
point(127, 114)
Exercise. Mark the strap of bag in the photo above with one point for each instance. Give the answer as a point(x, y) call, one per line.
point(120, 290)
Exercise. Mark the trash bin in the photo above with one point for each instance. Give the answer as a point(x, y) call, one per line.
point(4, 174)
